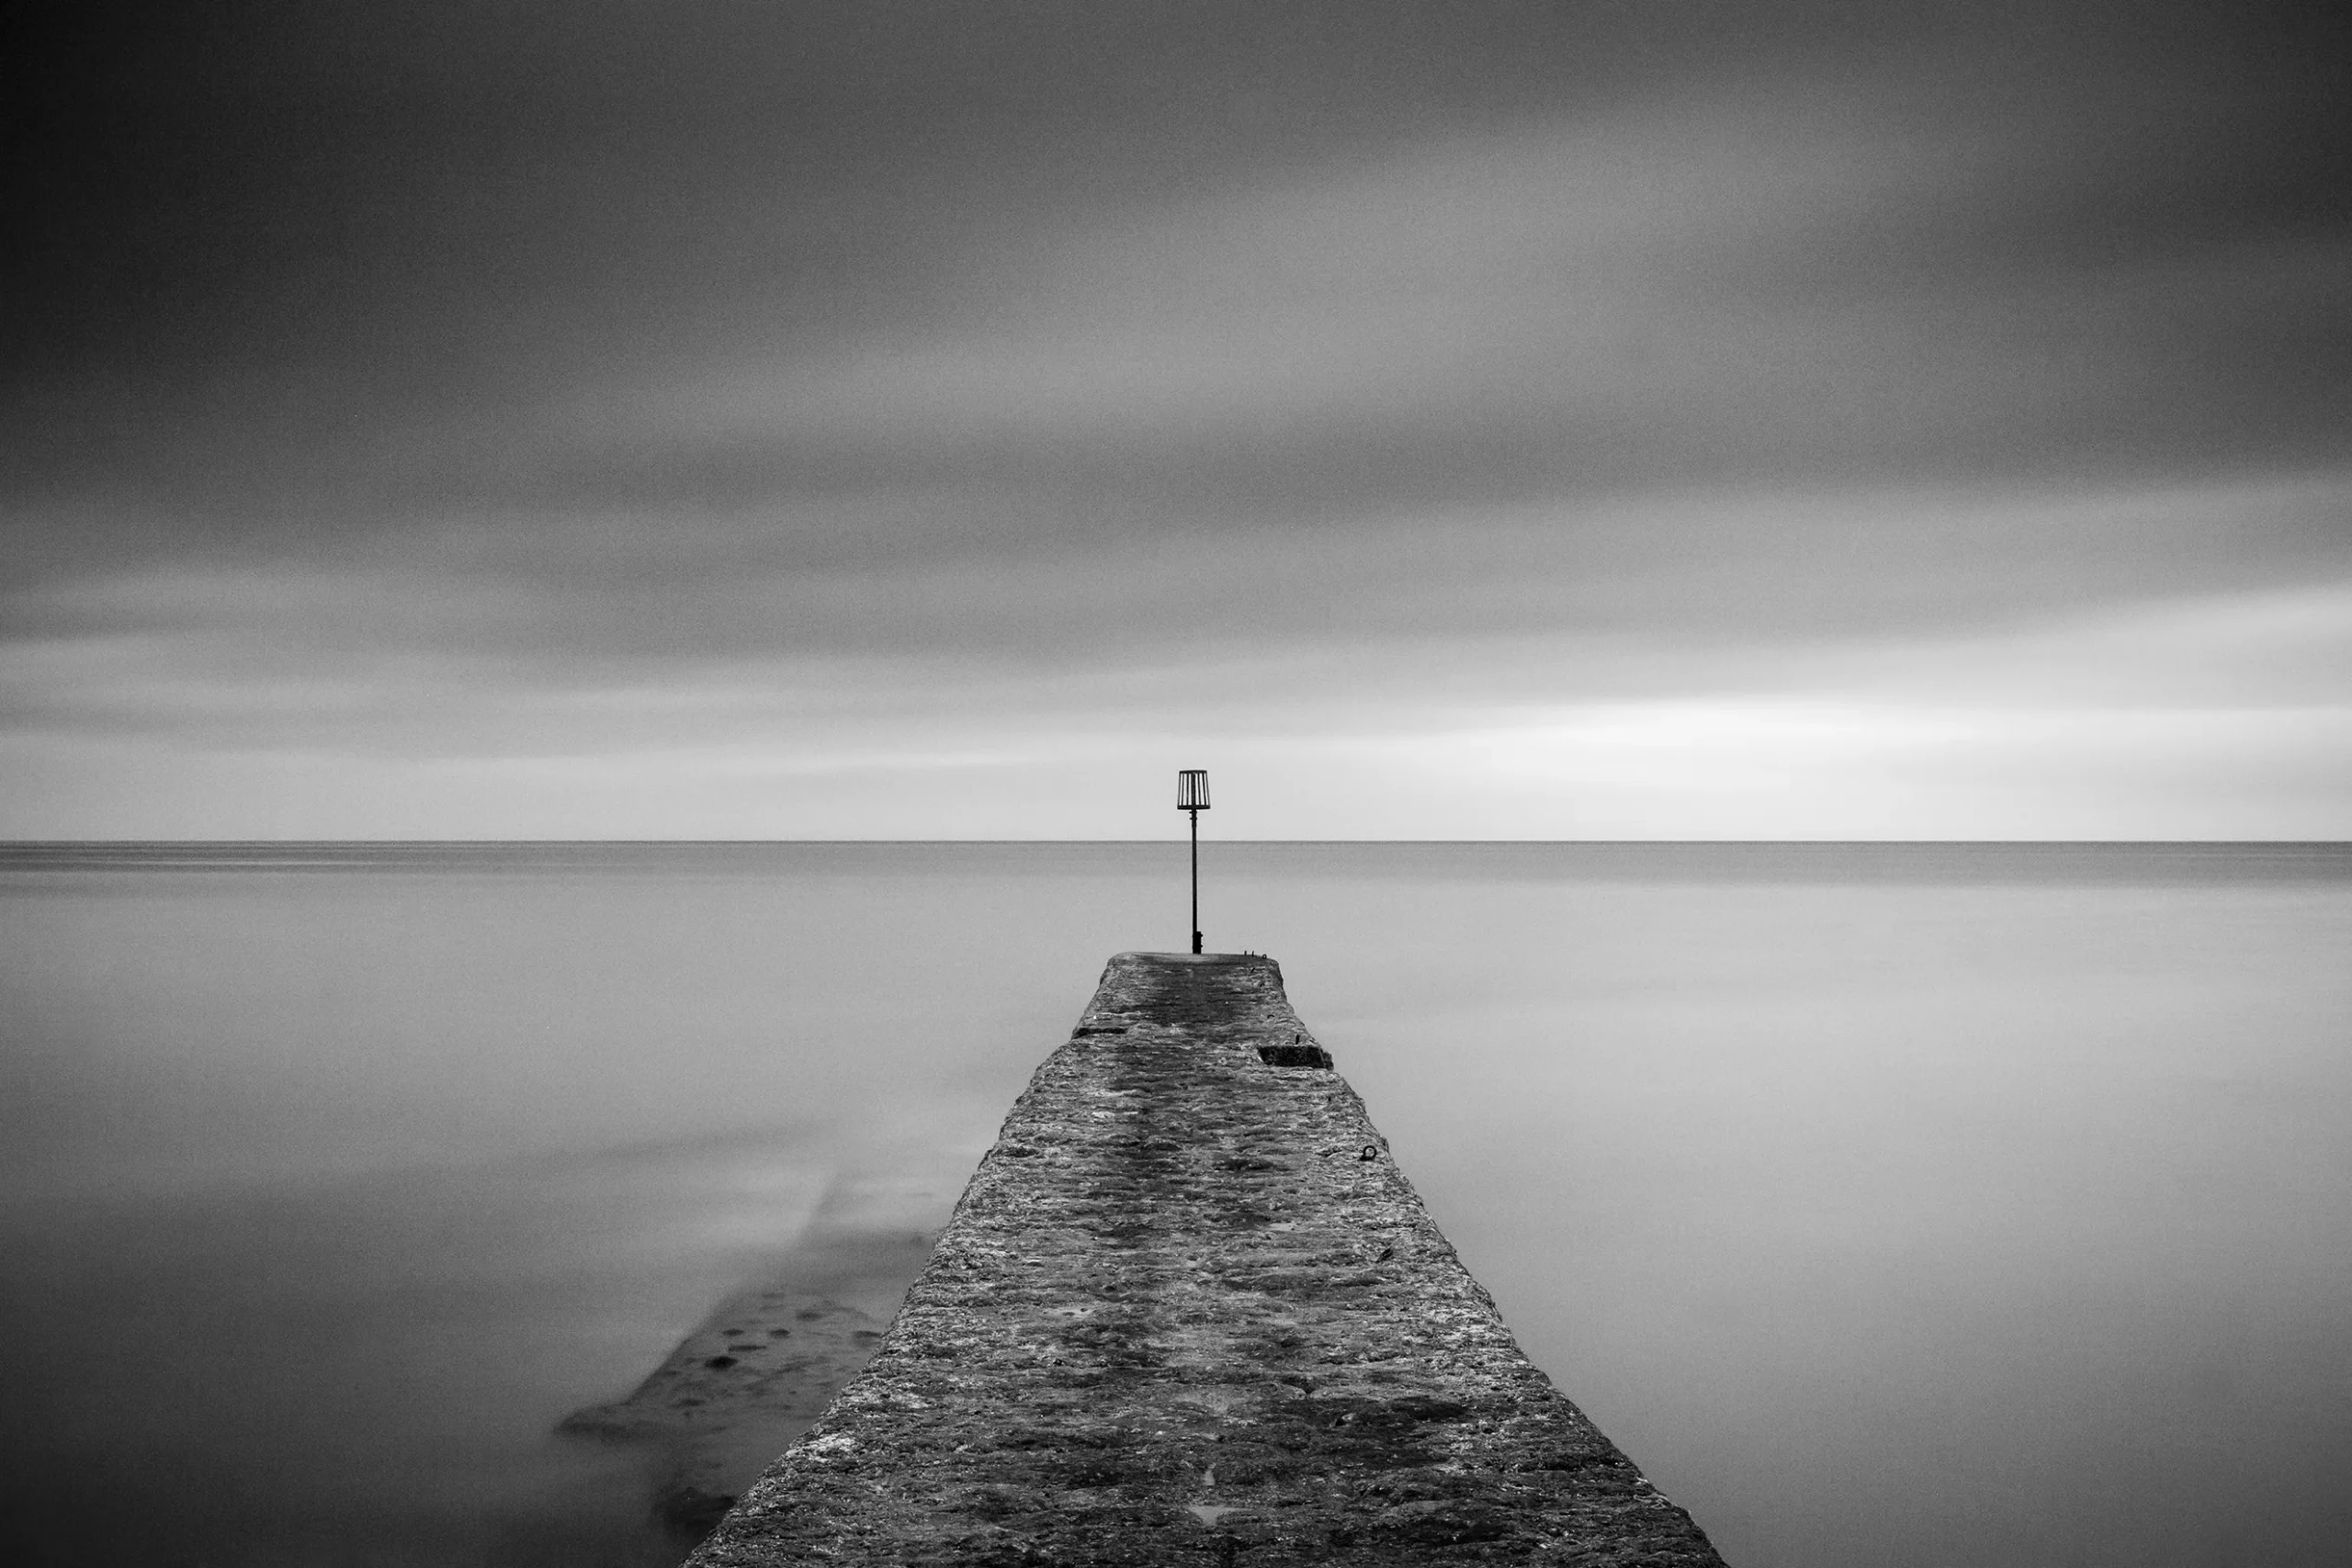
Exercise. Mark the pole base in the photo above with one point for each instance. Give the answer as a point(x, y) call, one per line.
point(1196, 942)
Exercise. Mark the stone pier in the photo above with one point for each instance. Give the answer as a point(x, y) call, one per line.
point(1190, 1311)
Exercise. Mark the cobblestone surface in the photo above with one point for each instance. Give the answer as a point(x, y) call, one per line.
point(1189, 1310)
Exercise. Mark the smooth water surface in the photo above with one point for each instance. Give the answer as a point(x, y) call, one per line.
point(1931, 1204)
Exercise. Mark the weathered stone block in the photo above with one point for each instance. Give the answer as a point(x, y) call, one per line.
point(1190, 1311)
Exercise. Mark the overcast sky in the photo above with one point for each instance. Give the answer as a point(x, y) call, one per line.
point(656, 418)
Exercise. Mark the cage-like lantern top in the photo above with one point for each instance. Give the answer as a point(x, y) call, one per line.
point(1192, 789)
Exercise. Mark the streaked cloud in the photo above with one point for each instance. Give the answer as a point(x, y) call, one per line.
point(775, 425)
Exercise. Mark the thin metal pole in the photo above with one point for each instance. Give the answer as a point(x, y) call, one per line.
point(1196, 815)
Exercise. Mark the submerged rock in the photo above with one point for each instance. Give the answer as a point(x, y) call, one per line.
point(767, 1362)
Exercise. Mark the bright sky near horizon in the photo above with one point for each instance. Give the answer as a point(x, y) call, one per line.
point(886, 420)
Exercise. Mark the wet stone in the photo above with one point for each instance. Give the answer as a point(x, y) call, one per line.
point(1189, 1310)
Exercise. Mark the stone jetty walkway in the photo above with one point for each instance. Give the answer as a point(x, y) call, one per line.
point(1189, 1310)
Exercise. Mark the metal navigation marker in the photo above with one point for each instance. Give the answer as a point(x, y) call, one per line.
point(1192, 796)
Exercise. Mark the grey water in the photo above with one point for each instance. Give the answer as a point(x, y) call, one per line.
point(1932, 1204)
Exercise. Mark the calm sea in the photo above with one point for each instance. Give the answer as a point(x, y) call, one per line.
point(1920, 1205)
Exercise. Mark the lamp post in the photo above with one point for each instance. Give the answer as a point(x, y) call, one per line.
point(1192, 797)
